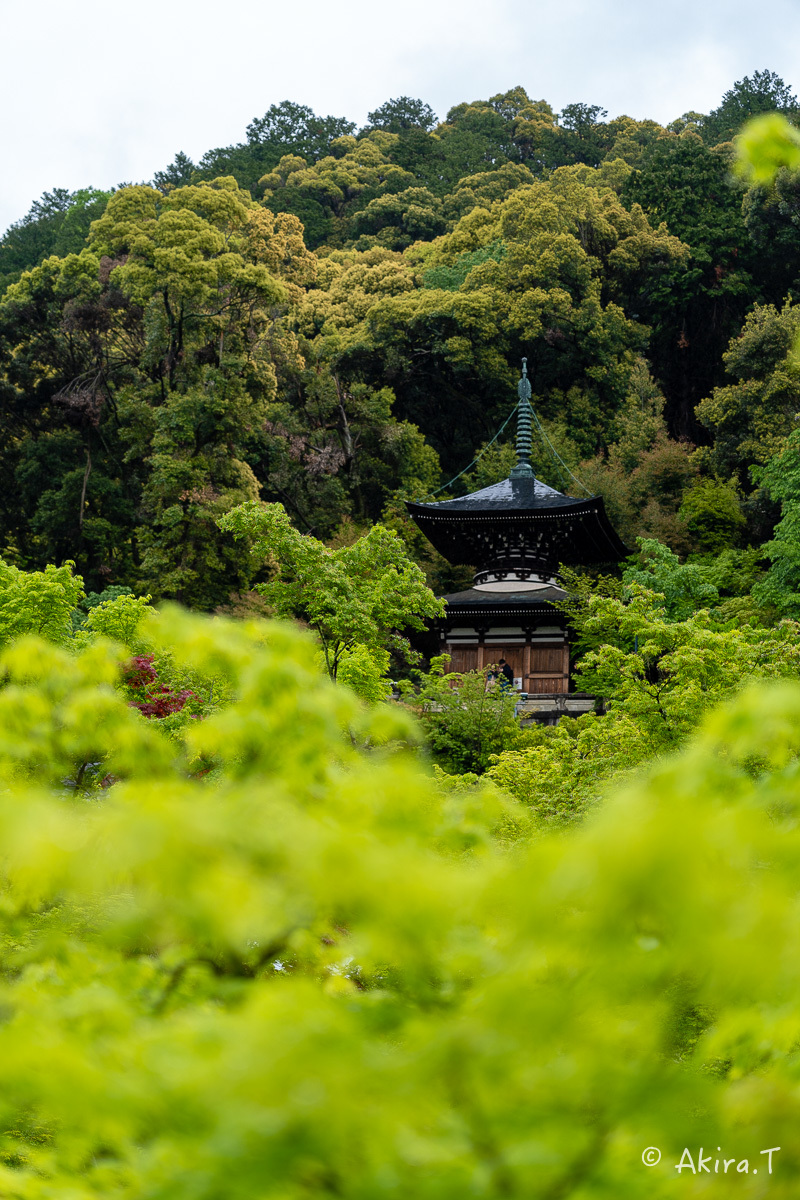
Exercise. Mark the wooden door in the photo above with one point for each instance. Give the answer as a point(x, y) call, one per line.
point(549, 670)
point(463, 658)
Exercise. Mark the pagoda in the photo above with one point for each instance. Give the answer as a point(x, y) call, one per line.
point(516, 534)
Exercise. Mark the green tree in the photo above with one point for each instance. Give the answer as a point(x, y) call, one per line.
point(772, 216)
point(765, 92)
point(683, 585)
point(398, 219)
point(666, 672)
point(696, 305)
point(401, 114)
point(68, 338)
point(180, 172)
point(86, 205)
point(475, 136)
point(363, 594)
point(482, 189)
point(38, 602)
point(562, 772)
point(154, 381)
point(332, 450)
point(631, 138)
point(713, 514)
point(751, 418)
point(545, 272)
point(289, 128)
point(780, 587)
point(286, 128)
point(660, 666)
point(466, 718)
point(327, 193)
point(153, 355)
point(644, 473)
point(582, 136)
point(58, 223)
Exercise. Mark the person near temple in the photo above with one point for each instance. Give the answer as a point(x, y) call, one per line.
point(506, 676)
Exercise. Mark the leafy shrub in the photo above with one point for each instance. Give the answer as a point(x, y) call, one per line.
point(466, 720)
point(40, 602)
point(151, 697)
point(684, 586)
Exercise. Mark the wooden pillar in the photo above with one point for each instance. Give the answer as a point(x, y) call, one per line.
point(526, 665)
point(565, 665)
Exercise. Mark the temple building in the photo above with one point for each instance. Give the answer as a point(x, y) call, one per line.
point(516, 534)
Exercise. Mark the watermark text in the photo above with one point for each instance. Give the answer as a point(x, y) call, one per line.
point(713, 1164)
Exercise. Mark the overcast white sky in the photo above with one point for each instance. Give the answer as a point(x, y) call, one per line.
point(94, 92)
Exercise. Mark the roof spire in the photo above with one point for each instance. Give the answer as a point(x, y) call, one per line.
point(523, 469)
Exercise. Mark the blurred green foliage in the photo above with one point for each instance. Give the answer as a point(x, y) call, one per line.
point(317, 971)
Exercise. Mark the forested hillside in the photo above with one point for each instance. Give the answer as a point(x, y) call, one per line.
point(333, 318)
point(272, 927)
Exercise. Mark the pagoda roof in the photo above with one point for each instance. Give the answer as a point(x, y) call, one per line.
point(516, 495)
point(520, 525)
point(557, 528)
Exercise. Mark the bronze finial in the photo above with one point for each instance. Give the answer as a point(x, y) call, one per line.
point(523, 469)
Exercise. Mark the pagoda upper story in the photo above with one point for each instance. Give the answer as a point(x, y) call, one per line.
point(518, 532)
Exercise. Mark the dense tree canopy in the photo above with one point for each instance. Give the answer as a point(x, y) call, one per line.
point(331, 317)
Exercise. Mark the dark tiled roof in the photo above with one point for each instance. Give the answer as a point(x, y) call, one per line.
point(541, 527)
point(516, 495)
